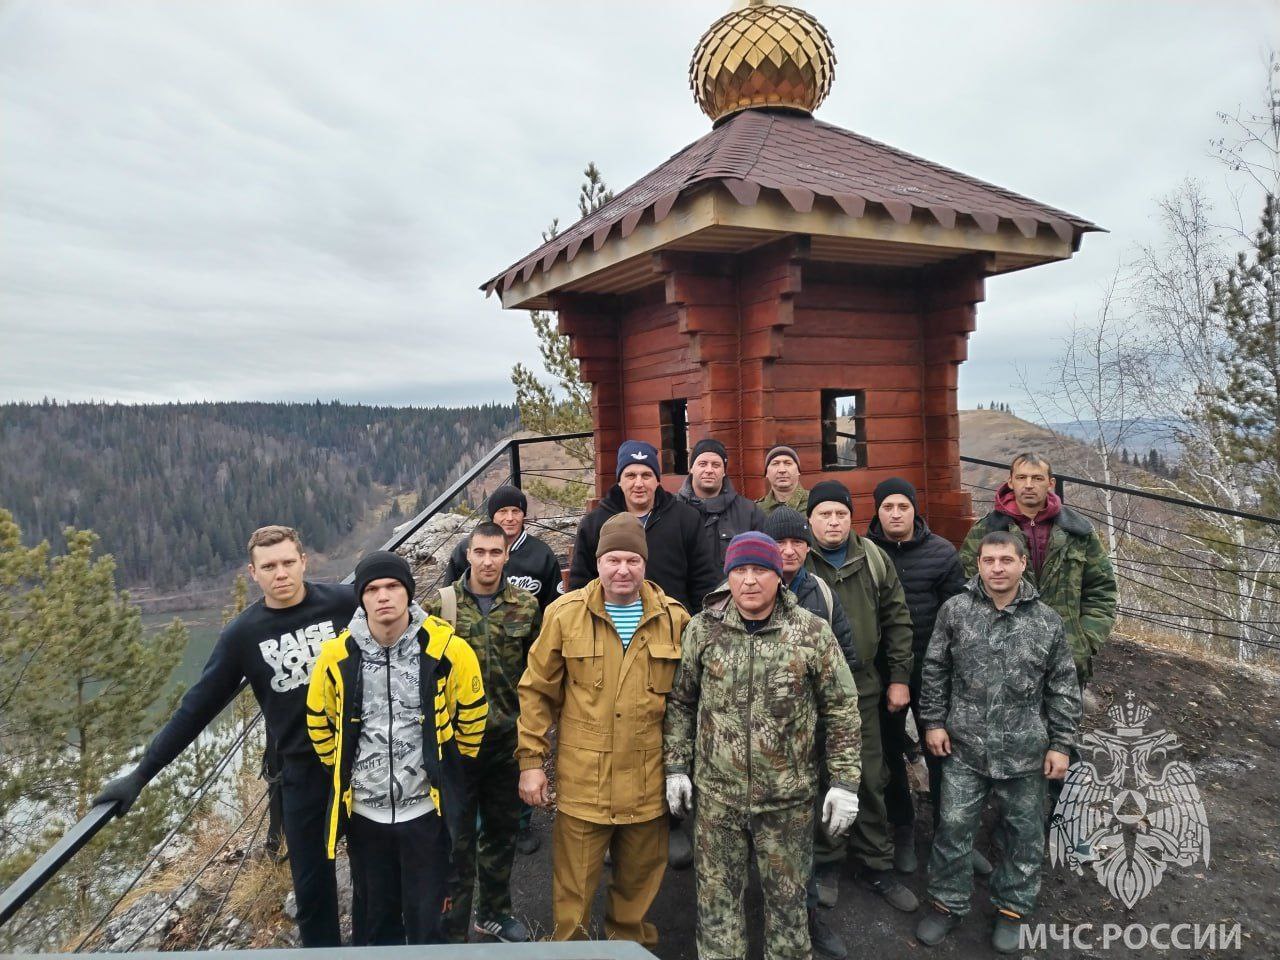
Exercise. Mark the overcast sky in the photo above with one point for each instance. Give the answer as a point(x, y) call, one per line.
point(253, 201)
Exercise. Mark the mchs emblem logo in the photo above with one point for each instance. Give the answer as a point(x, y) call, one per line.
point(1127, 811)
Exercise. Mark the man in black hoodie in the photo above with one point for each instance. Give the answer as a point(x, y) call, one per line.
point(531, 564)
point(931, 574)
point(680, 558)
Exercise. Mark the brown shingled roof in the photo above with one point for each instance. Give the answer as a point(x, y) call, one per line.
point(801, 158)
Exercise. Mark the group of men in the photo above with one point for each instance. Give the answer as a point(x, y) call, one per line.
point(738, 670)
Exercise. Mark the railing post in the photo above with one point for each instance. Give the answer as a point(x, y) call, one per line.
point(1060, 488)
point(515, 463)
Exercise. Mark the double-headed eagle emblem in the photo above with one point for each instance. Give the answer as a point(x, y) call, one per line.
point(1127, 811)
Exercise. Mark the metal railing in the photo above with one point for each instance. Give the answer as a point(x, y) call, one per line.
point(18, 893)
point(47, 866)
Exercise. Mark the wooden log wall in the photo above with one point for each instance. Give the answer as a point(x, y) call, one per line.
point(751, 342)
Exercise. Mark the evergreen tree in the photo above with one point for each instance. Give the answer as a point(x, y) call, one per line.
point(566, 407)
point(1248, 302)
point(84, 689)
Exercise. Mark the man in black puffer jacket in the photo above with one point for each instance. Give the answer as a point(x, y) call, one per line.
point(930, 571)
point(680, 559)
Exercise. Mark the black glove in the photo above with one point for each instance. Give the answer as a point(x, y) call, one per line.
point(122, 791)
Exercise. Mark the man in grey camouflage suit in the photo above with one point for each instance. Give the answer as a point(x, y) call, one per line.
point(757, 674)
point(1001, 704)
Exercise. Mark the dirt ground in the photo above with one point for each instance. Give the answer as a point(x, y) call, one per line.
point(1228, 720)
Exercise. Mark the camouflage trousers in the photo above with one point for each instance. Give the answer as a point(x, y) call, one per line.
point(723, 838)
point(1019, 829)
point(870, 840)
point(487, 841)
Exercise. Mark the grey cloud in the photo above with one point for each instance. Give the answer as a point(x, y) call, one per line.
point(242, 200)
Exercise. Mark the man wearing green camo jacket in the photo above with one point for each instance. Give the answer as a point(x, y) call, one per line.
point(1000, 705)
point(757, 674)
point(500, 622)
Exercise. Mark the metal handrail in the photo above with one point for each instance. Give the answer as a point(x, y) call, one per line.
point(52, 860)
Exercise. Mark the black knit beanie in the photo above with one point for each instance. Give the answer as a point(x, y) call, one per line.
point(378, 566)
point(887, 488)
point(787, 524)
point(507, 496)
point(709, 445)
point(829, 490)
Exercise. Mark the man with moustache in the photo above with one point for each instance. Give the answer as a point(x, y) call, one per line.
point(600, 672)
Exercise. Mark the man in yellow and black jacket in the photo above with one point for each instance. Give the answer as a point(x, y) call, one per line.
point(399, 773)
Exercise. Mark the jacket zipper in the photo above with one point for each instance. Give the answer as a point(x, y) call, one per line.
point(751, 687)
point(391, 726)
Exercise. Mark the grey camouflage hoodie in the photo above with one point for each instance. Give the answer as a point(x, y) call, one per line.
point(388, 777)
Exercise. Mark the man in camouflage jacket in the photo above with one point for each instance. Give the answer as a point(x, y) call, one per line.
point(1001, 704)
point(1069, 566)
point(757, 675)
point(500, 622)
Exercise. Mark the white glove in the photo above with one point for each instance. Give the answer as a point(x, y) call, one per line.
point(679, 794)
point(839, 810)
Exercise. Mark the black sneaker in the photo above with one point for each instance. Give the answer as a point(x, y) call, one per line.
point(825, 941)
point(895, 894)
point(679, 850)
point(527, 841)
point(1006, 934)
point(506, 928)
point(935, 925)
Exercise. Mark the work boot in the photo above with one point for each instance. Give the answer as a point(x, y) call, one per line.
point(825, 941)
point(981, 865)
point(1006, 935)
point(904, 849)
point(679, 849)
point(505, 928)
point(827, 880)
point(895, 894)
point(934, 926)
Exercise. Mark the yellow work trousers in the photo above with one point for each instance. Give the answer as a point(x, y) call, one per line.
point(639, 852)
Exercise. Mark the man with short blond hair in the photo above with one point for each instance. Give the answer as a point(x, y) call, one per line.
point(273, 644)
point(600, 672)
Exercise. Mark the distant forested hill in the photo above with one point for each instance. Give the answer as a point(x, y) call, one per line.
point(175, 489)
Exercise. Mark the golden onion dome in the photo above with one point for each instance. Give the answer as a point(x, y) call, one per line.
point(763, 55)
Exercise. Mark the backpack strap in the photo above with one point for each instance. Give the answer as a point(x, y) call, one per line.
point(828, 598)
point(876, 561)
point(449, 605)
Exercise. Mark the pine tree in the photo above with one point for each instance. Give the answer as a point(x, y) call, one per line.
point(84, 690)
point(1248, 302)
point(566, 407)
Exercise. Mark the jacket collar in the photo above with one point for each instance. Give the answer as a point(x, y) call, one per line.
point(1026, 592)
point(359, 628)
point(653, 601)
point(855, 553)
point(505, 592)
point(720, 606)
point(919, 534)
point(717, 504)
